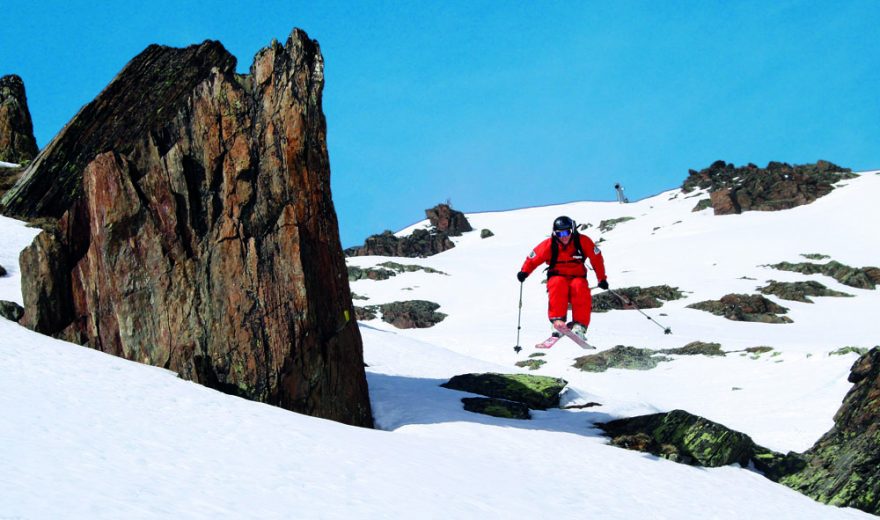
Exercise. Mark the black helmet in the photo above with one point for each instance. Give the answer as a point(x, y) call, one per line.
point(563, 223)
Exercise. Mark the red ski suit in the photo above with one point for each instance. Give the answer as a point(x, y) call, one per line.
point(567, 281)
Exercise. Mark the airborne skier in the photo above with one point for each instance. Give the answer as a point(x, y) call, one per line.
point(565, 252)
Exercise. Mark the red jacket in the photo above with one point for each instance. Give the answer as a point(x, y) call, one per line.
point(567, 264)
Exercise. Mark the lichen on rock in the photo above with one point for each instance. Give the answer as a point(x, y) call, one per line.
point(536, 392)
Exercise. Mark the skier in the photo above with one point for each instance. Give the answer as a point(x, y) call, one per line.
point(565, 252)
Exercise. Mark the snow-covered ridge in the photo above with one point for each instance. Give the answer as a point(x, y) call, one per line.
point(87, 435)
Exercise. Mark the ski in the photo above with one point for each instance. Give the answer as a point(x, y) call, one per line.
point(549, 342)
point(574, 337)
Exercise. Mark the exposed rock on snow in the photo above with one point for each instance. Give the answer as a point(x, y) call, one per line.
point(799, 291)
point(536, 392)
point(643, 297)
point(196, 230)
point(778, 186)
point(631, 358)
point(421, 243)
point(744, 307)
point(412, 314)
point(858, 277)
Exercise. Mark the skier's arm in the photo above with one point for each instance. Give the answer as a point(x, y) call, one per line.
point(595, 256)
point(538, 256)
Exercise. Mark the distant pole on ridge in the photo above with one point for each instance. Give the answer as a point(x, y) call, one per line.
point(621, 198)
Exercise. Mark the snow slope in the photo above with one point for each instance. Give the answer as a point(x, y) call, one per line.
point(87, 435)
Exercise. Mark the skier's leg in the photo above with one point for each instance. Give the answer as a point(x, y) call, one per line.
point(557, 296)
point(581, 301)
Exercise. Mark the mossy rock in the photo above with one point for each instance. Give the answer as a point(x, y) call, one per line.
point(643, 297)
point(409, 268)
point(815, 256)
point(861, 351)
point(496, 407)
point(536, 392)
point(11, 310)
point(608, 225)
point(696, 348)
point(702, 204)
point(631, 358)
point(485, 233)
point(860, 278)
point(370, 273)
point(532, 364)
point(682, 437)
point(744, 307)
point(759, 350)
point(799, 291)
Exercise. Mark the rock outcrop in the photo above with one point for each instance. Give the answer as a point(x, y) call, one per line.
point(17, 143)
point(858, 277)
point(410, 314)
point(799, 291)
point(744, 307)
point(641, 297)
point(445, 222)
point(196, 231)
point(843, 467)
point(776, 187)
point(11, 310)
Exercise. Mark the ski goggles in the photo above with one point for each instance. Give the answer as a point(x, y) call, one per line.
point(562, 233)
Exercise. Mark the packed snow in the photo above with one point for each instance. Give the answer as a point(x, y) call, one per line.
point(88, 435)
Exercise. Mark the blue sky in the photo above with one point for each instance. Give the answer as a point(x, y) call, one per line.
point(495, 105)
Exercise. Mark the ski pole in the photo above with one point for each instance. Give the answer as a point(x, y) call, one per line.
point(627, 301)
point(517, 348)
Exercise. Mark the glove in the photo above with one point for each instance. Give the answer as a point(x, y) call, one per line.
point(521, 276)
point(603, 285)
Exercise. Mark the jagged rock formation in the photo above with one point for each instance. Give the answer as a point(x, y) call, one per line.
point(536, 392)
point(744, 307)
point(17, 143)
point(643, 297)
point(843, 467)
point(196, 229)
point(386, 270)
point(445, 222)
point(778, 186)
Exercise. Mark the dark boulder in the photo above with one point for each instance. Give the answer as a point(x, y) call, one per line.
point(536, 392)
point(420, 244)
point(195, 229)
point(776, 187)
point(412, 314)
point(744, 307)
point(496, 407)
point(11, 310)
point(17, 143)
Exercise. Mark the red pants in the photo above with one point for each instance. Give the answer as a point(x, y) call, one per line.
point(562, 291)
